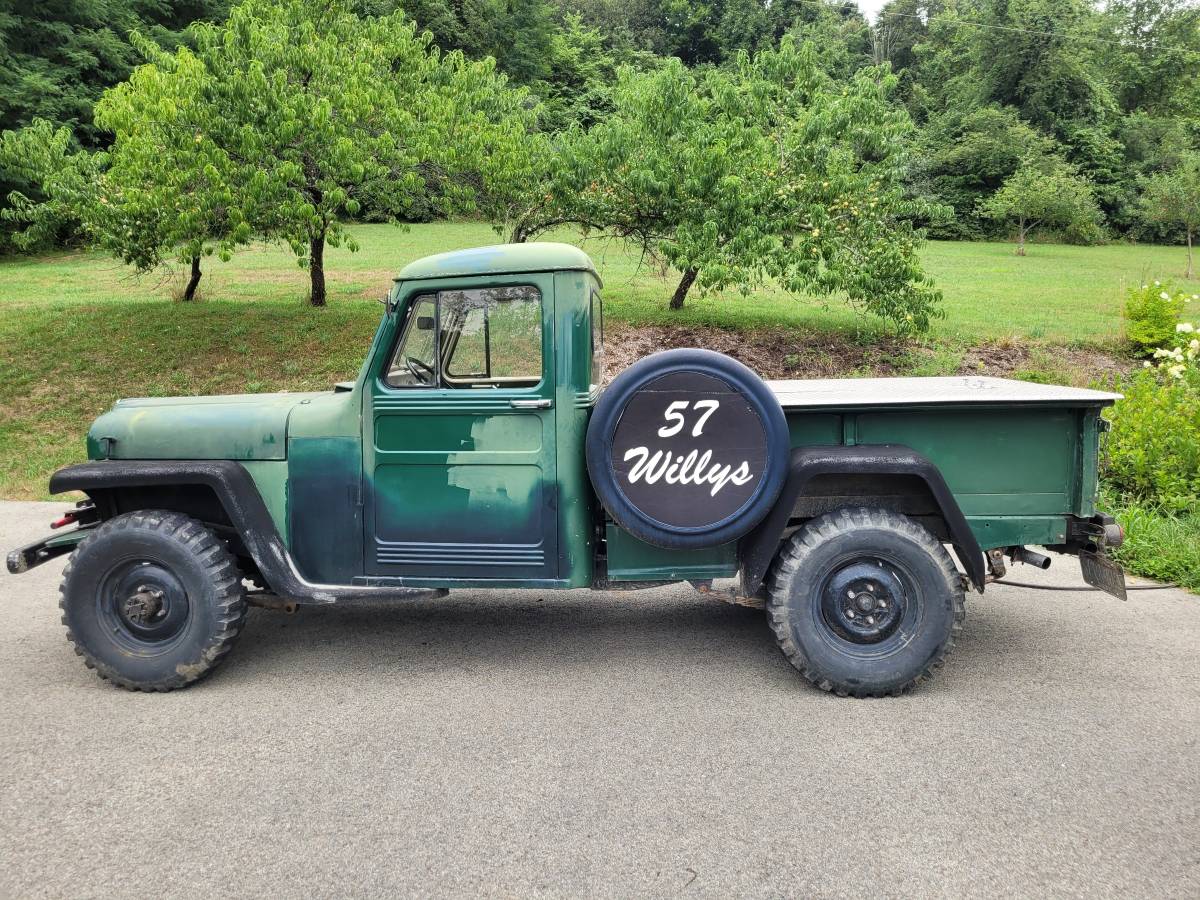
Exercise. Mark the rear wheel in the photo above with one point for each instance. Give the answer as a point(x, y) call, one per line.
point(152, 601)
point(864, 602)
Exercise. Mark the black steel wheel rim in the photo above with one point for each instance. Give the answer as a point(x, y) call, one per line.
point(143, 605)
point(864, 600)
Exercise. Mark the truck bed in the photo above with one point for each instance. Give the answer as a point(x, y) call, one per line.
point(923, 392)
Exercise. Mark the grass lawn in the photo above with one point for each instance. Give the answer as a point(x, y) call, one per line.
point(1057, 294)
point(77, 331)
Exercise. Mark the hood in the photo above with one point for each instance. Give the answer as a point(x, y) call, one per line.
point(241, 426)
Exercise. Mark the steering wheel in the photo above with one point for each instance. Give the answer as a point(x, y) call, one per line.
point(420, 369)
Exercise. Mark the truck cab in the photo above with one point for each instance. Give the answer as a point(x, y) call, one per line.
point(480, 447)
point(475, 399)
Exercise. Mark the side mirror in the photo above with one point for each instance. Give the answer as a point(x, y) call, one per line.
point(424, 323)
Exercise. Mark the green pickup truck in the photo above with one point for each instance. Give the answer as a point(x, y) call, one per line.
point(478, 447)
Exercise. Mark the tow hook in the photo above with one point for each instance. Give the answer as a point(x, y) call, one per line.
point(1114, 531)
point(83, 513)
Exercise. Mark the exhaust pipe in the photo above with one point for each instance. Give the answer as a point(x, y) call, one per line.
point(1022, 555)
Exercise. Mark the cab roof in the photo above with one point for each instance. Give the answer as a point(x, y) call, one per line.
point(500, 259)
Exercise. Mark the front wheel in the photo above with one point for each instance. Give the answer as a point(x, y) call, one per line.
point(152, 601)
point(864, 602)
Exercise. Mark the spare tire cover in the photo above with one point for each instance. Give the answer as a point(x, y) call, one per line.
point(687, 449)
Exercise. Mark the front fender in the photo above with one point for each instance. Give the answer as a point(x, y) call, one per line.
point(243, 505)
point(758, 548)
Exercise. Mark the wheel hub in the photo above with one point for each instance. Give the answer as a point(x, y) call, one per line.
point(144, 602)
point(144, 606)
point(863, 601)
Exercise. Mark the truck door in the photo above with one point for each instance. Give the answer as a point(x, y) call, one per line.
point(460, 453)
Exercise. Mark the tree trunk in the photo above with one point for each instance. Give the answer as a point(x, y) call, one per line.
point(316, 268)
point(685, 283)
point(189, 293)
point(1021, 238)
point(1189, 268)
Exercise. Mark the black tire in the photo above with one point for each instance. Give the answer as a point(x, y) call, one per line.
point(836, 566)
point(152, 601)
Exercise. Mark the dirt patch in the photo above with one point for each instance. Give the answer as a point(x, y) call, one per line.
point(1074, 364)
point(773, 353)
point(788, 353)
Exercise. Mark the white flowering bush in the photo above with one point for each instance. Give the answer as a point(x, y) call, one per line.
point(1180, 359)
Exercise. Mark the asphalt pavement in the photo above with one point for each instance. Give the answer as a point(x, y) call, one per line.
point(524, 743)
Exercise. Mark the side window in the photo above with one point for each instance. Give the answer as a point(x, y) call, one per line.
point(492, 336)
point(597, 340)
point(414, 364)
point(485, 337)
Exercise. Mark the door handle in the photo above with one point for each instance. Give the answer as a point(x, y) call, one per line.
point(537, 403)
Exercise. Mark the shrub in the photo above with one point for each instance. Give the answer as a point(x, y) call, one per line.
point(1151, 312)
point(1159, 545)
point(1153, 451)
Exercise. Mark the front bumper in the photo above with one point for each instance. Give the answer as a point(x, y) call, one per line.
point(25, 558)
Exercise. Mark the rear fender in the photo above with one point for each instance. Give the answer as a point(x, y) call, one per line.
point(758, 548)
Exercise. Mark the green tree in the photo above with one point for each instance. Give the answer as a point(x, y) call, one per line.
point(1152, 61)
point(1039, 56)
point(46, 156)
point(964, 155)
point(767, 170)
point(902, 25)
point(517, 33)
point(57, 57)
point(836, 155)
point(60, 55)
point(1172, 198)
point(1034, 197)
point(170, 188)
point(577, 89)
point(320, 113)
point(670, 170)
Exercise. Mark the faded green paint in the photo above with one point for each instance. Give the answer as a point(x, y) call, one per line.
point(325, 507)
point(461, 484)
point(814, 429)
point(1088, 464)
point(68, 538)
point(501, 259)
point(1018, 461)
point(630, 559)
point(271, 479)
point(1008, 531)
point(420, 433)
point(573, 400)
point(241, 426)
point(1017, 471)
point(457, 487)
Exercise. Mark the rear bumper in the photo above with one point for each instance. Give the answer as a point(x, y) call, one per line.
point(1090, 539)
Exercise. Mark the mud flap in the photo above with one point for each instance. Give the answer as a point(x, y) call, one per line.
point(1100, 571)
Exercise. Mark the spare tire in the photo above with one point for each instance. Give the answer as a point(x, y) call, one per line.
point(687, 449)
